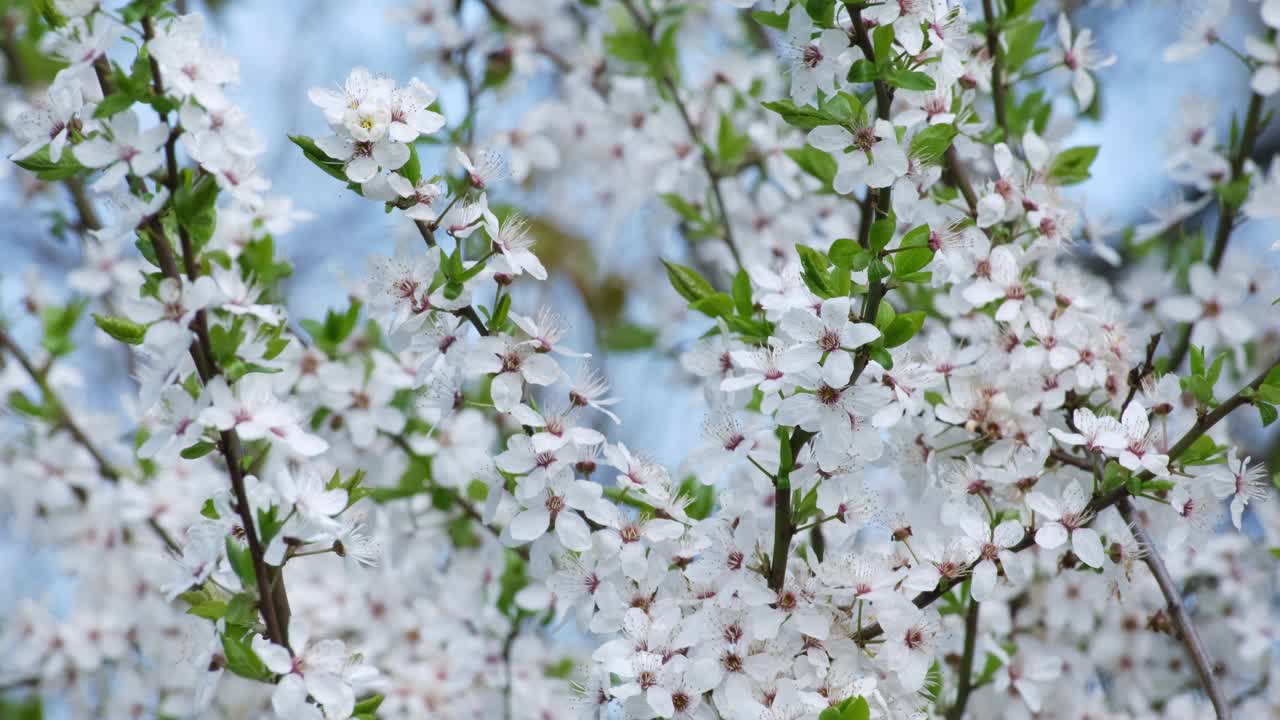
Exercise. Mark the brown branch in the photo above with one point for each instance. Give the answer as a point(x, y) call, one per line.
point(65, 421)
point(64, 418)
point(875, 199)
point(1139, 373)
point(997, 71)
point(1226, 212)
point(956, 712)
point(961, 180)
point(1173, 598)
point(1098, 502)
point(668, 82)
point(273, 599)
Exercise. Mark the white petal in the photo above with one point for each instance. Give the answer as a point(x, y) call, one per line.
point(1051, 536)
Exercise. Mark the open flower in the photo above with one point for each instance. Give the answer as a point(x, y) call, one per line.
point(1067, 518)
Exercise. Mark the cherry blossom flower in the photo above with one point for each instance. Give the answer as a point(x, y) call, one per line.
point(823, 343)
point(1080, 57)
point(870, 155)
point(124, 149)
point(255, 412)
point(1066, 519)
point(813, 63)
point(1241, 482)
point(554, 504)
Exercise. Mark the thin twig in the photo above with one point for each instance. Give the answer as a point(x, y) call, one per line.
point(1226, 212)
point(65, 421)
point(1139, 373)
point(650, 31)
point(1173, 598)
point(1098, 502)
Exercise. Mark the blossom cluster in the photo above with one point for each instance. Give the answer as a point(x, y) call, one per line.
point(946, 470)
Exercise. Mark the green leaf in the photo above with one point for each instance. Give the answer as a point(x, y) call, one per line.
point(499, 316)
point(815, 162)
point(209, 610)
point(241, 659)
point(1071, 166)
point(1197, 360)
point(687, 282)
point(275, 346)
point(855, 709)
point(804, 117)
point(930, 144)
point(714, 305)
point(916, 236)
point(742, 300)
point(903, 328)
point(629, 337)
point(682, 207)
point(24, 405)
point(1269, 393)
point(882, 232)
point(46, 169)
point(412, 169)
point(843, 251)
point(59, 321)
point(114, 103)
point(731, 145)
point(242, 610)
point(862, 71)
point(1202, 452)
point(814, 266)
point(702, 498)
point(512, 580)
point(497, 69)
point(777, 21)
point(122, 329)
point(194, 206)
point(369, 705)
point(198, 450)
point(631, 46)
point(882, 44)
point(1020, 42)
point(21, 709)
point(333, 168)
point(1114, 476)
point(238, 368)
point(258, 259)
point(1267, 412)
point(910, 80)
point(241, 563)
point(1233, 193)
point(1215, 370)
point(911, 260)
point(821, 11)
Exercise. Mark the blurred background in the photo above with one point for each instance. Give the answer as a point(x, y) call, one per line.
point(598, 256)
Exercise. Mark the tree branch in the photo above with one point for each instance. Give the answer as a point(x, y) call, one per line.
point(956, 712)
point(1226, 212)
point(105, 468)
point(273, 599)
point(1098, 502)
point(1173, 598)
point(997, 67)
point(669, 83)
